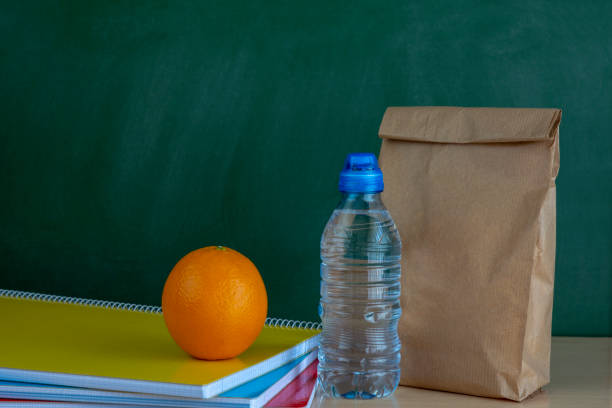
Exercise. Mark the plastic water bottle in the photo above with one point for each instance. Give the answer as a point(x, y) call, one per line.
point(359, 352)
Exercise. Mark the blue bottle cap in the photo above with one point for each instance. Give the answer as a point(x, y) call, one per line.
point(361, 174)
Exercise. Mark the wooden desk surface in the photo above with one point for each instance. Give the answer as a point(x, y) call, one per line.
point(581, 377)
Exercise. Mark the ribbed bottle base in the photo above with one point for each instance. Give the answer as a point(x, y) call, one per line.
point(358, 385)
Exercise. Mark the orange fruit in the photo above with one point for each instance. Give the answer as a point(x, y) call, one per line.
point(214, 303)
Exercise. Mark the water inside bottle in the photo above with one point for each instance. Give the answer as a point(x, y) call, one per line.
point(360, 270)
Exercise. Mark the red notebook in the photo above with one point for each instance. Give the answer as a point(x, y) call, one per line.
point(299, 392)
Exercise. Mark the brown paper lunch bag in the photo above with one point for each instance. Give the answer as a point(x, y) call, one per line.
point(472, 191)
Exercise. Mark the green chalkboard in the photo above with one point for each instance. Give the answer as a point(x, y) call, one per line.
point(136, 131)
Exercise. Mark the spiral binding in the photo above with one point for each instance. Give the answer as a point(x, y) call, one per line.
point(292, 324)
point(270, 321)
point(80, 301)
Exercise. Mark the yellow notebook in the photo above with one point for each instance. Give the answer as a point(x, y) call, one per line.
point(124, 347)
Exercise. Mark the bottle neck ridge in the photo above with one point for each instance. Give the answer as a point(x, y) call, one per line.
point(361, 201)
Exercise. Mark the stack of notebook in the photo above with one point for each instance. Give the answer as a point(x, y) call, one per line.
point(59, 351)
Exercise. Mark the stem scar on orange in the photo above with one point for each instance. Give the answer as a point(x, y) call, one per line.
point(214, 303)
